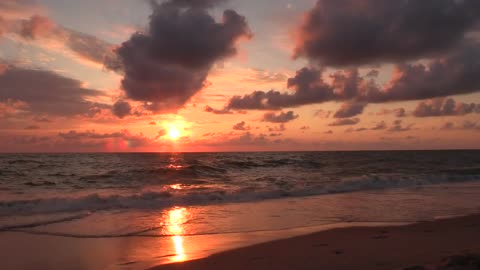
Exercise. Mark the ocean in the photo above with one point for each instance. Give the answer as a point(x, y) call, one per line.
point(161, 195)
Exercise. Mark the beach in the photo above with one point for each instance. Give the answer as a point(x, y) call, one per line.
point(443, 244)
point(329, 210)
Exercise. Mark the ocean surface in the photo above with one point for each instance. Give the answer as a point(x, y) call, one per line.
point(157, 195)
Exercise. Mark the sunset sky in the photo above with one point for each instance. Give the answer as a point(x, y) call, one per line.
point(238, 75)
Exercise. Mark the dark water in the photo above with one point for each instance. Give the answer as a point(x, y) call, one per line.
point(59, 183)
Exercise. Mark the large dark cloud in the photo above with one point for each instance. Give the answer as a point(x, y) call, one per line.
point(282, 117)
point(352, 32)
point(45, 92)
point(444, 107)
point(456, 73)
point(165, 66)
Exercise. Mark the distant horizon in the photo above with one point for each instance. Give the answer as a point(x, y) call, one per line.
point(276, 151)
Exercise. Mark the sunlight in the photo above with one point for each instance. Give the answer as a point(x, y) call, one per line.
point(176, 218)
point(174, 134)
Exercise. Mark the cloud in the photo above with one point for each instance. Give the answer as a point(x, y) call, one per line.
point(264, 76)
point(10, 108)
point(280, 128)
point(466, 125)
point(350, 109)
point(452, 75)
point(399, 127)
point(352, 32)
point(85, 46)
point(349, 130)
point(444, 107)
point(398, 112)
point(45, 92)
point(241, 126)
point(380, 126)
point(93, 138)
point(345, 122)
point(18, 8)
point(168, 64)
point(282, 117)
point(32, 127)
point(217, 111)
point(121, 109)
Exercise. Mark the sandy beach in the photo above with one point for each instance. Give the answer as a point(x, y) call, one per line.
point(442, 244)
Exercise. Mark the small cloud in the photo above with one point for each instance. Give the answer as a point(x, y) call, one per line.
point(279, 118)
point(345, 122)
point(398, 127)
point(217, 111)
point(241, 126)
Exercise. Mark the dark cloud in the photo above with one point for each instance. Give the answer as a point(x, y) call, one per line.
point(241, 126)
point(282, 117)
point(305, 128)
point(399, 127)
point(454, 74)
point(217, 111)
point(444, 107)
point(350, 109)
point(121, 109)
point(345, 122)
point(48, 93)
point(352, 32)
point(165, 66)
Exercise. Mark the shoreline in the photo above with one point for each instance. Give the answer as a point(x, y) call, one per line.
point(425, 244)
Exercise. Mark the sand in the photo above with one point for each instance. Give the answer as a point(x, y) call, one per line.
point(442, 244)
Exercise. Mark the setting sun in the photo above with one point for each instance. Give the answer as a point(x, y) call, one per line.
point(174, 133)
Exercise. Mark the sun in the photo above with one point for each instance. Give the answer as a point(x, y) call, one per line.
point(173, 133)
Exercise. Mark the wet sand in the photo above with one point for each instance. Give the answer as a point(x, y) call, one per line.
point(442, 244)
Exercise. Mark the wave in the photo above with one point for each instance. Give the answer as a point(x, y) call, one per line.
point(43, 222)
point(215, 195)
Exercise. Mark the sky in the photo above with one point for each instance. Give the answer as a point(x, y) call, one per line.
point(239, 75)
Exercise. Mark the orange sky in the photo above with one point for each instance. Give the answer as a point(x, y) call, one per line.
point(61, 45)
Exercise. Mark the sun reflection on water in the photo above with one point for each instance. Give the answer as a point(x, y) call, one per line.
point(176, 218)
